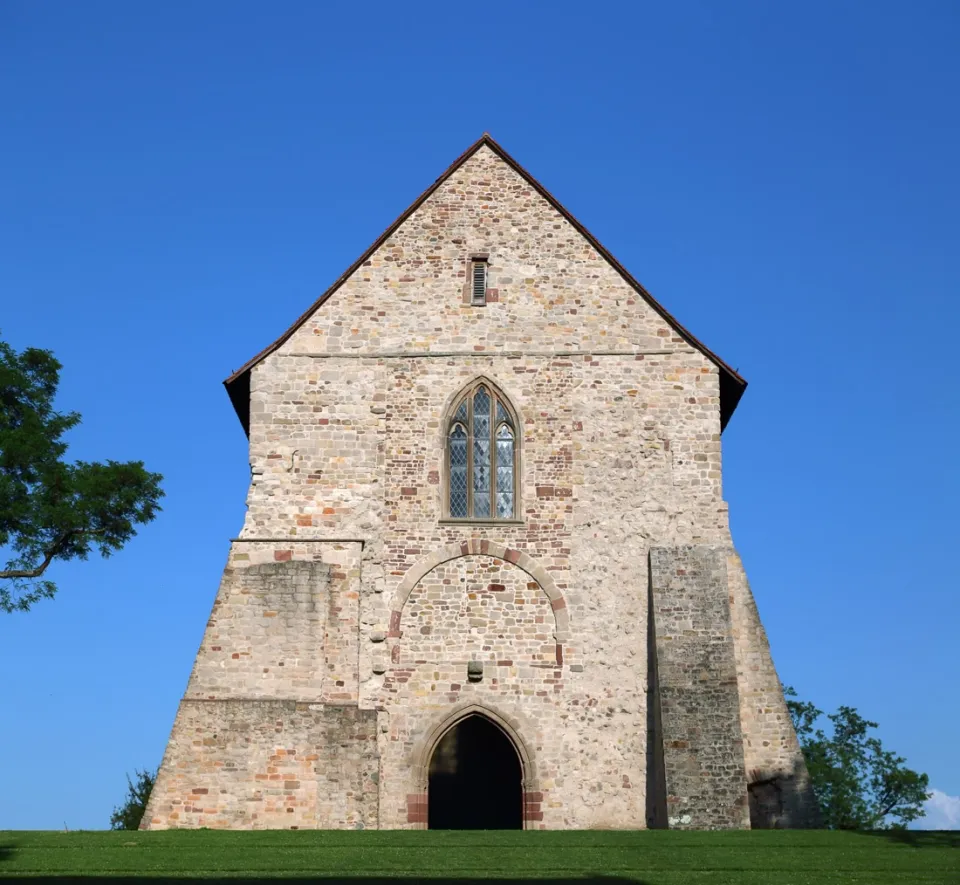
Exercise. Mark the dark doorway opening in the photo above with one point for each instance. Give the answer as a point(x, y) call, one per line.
point(475, 779)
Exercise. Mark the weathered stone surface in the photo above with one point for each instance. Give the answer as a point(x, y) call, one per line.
point(702, 743)
point(778, 782)
point(265, 636)
point(267, 765)
point(348, 586)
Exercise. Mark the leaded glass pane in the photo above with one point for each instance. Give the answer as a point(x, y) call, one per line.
point(458, 471)
point(461, 413)
point(481, 410)
point(502, 416)
point(504, 472)
point(481, 454)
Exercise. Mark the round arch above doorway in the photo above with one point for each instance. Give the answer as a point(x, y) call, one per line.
point(483, 547)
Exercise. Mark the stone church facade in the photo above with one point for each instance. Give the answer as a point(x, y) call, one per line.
point(486, 576)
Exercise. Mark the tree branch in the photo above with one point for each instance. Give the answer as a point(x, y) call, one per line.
point(887, 807)
point(49, 555)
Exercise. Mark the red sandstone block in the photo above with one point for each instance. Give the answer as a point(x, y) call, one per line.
point(557, 604)
point(409, 491)
point(283, 555)
point(512, 556)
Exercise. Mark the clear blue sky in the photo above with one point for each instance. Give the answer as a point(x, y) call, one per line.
point(179, 181)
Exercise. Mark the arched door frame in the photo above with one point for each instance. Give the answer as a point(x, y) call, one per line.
point(529, 782)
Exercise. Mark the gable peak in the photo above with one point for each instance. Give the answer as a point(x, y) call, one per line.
point(732, 384)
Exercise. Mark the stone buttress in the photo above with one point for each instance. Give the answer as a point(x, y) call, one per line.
point(269, 734)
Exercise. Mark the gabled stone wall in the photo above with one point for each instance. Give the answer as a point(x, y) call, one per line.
point(619, 438)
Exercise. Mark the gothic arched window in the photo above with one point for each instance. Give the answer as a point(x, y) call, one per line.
point(481, 456)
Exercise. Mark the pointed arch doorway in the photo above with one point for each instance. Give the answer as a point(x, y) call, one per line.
point(475, 779)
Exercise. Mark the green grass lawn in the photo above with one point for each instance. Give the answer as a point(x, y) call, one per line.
point(645, 858)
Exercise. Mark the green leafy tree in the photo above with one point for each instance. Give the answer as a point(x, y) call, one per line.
point(859, 784)
point(129, 815)
point(52, 510)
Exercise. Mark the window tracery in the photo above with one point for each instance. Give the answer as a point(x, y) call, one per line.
point(481, 456)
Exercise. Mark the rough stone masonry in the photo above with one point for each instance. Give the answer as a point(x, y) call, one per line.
point(602, 621)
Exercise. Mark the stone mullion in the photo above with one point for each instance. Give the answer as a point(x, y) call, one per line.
point(492, 425)
point(470, 455)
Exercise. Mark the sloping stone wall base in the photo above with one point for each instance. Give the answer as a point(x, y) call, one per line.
point(703, 765)
point(264, 764)
point(778, 783)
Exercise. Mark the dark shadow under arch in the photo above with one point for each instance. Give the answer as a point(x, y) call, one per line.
point(475, 779)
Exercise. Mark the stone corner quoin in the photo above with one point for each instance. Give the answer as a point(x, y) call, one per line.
point(486, 488)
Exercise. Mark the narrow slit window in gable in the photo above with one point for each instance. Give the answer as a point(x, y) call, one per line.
point(479, 282)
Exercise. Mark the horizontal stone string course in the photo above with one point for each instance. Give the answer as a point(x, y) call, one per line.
point(299, 539)
point(509, 354)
